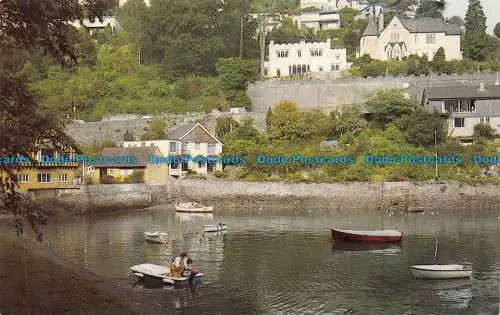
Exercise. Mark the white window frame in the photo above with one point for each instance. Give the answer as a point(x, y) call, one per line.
point(455, 120)
point(45, 178)
point(23, 178)
point(484, 120)
point(63, 178)
point(430, 38)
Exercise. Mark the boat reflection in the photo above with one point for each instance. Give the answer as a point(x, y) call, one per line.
point(189, 217)
point(384, 248)
point(184, 298)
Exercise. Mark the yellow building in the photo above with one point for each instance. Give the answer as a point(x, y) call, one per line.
point(55, 169)
point(128, 165)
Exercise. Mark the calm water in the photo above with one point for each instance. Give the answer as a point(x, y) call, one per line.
point(284, 264)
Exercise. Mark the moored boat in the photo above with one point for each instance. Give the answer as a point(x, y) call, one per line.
point(158, 273)
point(441, 271)
point(156, 237)
point(214, 227)
point(415, 209)
point(193, 207)
point(374, 236)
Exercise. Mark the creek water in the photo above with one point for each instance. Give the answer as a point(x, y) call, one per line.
point(284, 262)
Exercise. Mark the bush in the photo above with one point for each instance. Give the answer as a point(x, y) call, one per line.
point(242, 172)
point(219, 174)
point(108, 179)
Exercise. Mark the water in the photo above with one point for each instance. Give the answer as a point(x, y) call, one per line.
point(277, 263)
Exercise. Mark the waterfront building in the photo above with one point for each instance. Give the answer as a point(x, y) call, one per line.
point(192, 139)
point(403, 37)
point(464, 107)
point(303, 57)
point(140, 172)
point(53, 169)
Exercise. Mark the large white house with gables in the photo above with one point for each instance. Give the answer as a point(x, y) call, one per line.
point(299, 58)
point(403, 37)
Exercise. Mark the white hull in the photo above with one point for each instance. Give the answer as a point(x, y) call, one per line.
point(441, 271)
point(192, 207)
point(160, 273)
point(214, 228)
point(156, 237)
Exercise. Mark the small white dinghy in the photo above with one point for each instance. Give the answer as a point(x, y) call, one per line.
point(219, 227)
point(193, 207)
point(161, 273)
point(156, 237)
point(435, 271)
point(441, 271)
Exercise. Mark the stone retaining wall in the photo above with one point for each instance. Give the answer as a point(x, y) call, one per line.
point(332, 196)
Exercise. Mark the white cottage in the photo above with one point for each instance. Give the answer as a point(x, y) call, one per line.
point(303, 57)
point(403, 37)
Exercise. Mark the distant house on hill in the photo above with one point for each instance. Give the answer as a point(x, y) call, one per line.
point(464, 107)
point(403, 37)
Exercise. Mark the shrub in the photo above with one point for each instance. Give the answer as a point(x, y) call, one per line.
point(219, 174)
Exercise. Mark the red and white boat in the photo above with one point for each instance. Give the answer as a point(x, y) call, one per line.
point(376, 236)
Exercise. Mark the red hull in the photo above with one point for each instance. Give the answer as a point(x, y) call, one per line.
point(348, 237)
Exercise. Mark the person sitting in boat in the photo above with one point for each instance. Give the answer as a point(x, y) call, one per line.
point(189, 267)
point(178, 265)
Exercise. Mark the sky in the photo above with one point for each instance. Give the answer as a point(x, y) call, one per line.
point(491, 9)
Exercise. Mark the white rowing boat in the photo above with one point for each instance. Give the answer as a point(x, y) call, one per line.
point(215, 227)
point(452, 271)
point(193, 207)
point(156, 237)
point(162, 273)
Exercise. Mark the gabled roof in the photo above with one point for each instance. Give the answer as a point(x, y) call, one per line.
point(179, 132)
point(417, 25)
point(141, 154)
point(462, 91)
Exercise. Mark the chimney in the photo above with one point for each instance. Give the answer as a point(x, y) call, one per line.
point(481, 86)
point(380, 22)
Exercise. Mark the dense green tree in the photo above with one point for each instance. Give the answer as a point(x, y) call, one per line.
point(224, 126)
point(156, 130)
point(286, 124)
point(430, 8)
point(419, 127)
point(476, 41)
point(402, 6)
point(386, 106)
point(483, 132)
point(234, 74)
point(455, 20)
point(289, 32)
point(496, 30)
point(348, 119)
point(439, 61)
point(246, 130)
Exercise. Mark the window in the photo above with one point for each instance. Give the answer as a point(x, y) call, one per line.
point(110, 172)
point(337, 56)
point(173, 147)
point(23, 178)
point(299, 53)
point(316, 52)
point(44, 178)
point(484, 120)
point(282, 53)
point(63, 178)
point(459, 122)
point(394, 37)
point(197, 146)
point(211, 149)
point(430, 38)
point(143, 144)
point(123, 172)
point(278, 73)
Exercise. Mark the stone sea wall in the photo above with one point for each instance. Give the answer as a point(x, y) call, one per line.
point(365, 196)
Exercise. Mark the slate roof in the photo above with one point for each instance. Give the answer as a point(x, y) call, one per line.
point(178, 132)
point(140, 153)
point(463, 91)
point(418, 25)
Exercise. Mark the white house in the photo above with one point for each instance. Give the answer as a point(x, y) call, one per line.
point(403, 37)
point(464, 107)
point(327, 5)
point(191, 139)
point(303, 57)
point(318, 20)
point(370, 11)
point(97, 25)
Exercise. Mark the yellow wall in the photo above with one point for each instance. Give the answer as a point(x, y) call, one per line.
point(152, 174)
point(156, 174)
point(55, 182)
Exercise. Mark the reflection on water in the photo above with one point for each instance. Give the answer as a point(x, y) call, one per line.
point(282, 264)
point(190, 217)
